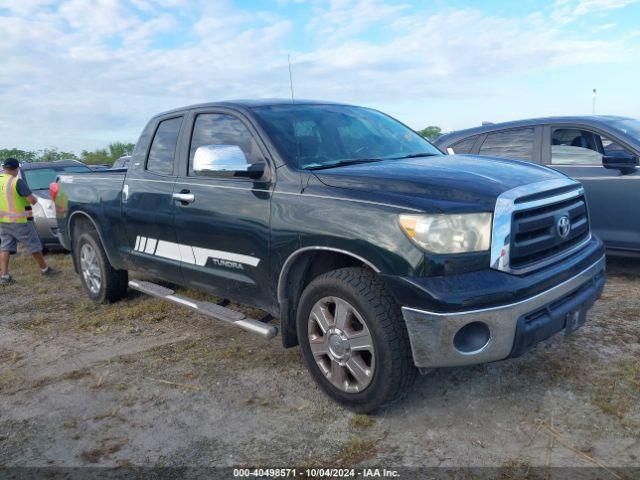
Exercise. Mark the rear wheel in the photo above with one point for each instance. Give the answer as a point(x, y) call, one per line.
point(100, 280)
point(353, 339)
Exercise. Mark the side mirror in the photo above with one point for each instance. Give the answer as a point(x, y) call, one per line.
point(228, 159)
point(624, 164)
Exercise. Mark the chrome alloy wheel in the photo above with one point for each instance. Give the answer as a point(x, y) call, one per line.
point(90, 268)
point(341, 344)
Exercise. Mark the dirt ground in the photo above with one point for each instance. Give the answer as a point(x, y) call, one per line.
point(146, 383)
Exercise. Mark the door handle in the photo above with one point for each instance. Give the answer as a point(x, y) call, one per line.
point(184, 197)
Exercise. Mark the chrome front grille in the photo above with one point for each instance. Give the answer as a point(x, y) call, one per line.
point(530, 225)
point(535, 234)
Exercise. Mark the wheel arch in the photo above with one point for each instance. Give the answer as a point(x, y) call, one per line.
point(82, 216)
point(299, 269)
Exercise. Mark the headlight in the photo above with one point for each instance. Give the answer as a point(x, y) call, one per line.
point(457, 233)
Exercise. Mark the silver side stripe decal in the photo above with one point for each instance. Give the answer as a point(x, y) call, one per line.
point(151, 246)
point(188, 254)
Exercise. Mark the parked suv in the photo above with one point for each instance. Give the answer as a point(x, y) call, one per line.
point(378, 254)
point(600, 151)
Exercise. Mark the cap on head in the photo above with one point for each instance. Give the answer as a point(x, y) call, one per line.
point(11, 164)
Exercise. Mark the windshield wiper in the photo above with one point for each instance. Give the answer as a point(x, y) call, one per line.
point(355, 161)
point(343, 163)
point(416, 155)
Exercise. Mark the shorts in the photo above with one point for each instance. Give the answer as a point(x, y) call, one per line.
point(25, 233)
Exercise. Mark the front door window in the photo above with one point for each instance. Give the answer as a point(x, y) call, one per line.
point(574, 146)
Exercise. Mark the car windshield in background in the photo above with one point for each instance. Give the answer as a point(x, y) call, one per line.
point(628, 126)
point(40, 178)
point(321, 136)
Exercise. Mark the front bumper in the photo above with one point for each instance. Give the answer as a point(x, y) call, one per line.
point(47, 229)
point(511, 329)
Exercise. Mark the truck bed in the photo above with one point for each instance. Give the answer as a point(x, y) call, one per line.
point(96, 194)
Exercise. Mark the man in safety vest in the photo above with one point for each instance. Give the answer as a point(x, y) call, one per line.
point(15, 225)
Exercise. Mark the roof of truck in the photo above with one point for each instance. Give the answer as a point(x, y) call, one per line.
point(249, 103)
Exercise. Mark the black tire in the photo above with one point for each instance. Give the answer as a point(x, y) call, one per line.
point(113, 283)
point(394, 371)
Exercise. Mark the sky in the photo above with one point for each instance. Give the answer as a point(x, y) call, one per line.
point(79, 74)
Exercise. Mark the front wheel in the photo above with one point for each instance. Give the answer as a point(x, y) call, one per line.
point(353, 339)
point(100, 280)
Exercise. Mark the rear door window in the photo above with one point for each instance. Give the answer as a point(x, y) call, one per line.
point(163, 147)
point(465, 145)
point(516, 143)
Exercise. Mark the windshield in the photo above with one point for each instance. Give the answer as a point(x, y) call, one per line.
point(40, 178)
point(629, 126)
point(316, 136)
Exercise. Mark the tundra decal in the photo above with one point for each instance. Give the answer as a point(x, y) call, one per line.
point(193, 255)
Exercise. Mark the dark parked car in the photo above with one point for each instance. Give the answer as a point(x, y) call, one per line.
point(122, 162)
point(600, 151)
point(377, 253)
point(38, 176)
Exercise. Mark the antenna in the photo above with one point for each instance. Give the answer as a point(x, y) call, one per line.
point(595, 96)
point(290, 78)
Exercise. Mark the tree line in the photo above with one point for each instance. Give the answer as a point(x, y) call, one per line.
point(101, 156)
point(430, 133)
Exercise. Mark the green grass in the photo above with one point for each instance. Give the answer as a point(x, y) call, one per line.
point(11, 380)
point(362, 422)
point(356, 450)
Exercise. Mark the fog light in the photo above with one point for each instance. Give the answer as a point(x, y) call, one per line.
point(472, 338)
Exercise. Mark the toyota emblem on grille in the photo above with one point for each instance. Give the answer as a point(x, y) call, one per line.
point(563, 226)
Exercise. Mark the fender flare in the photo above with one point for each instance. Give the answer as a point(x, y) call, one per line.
point(284, 271)
point(95, 226)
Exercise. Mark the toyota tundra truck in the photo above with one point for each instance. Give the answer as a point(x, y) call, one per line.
point(380, 256)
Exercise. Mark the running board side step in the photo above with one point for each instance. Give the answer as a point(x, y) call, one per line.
point(232, 317)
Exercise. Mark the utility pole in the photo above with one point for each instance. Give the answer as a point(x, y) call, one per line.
point(595, 96)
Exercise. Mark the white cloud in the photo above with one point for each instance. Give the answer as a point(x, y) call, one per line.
point(81, 73)
point(585, 7)
point(342, 18)
point(24, 7)
point(96, 18)
point(444, 52)
point(566, 11)
point(603, 27)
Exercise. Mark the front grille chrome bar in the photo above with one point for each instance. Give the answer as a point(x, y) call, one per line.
point(507, 204)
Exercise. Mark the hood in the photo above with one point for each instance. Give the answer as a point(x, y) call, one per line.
point(458, 179)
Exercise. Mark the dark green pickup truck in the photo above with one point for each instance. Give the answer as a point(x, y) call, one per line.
point(379, 255)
